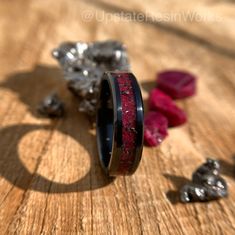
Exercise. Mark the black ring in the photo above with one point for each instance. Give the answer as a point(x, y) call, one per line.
point(119, 125)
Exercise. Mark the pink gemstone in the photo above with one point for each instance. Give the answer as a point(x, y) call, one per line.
point(159, 101)
point(177, 84)
point(155, 128)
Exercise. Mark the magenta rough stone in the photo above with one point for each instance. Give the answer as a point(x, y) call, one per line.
point(155, 128)
point(159, 101)
point(177, 84)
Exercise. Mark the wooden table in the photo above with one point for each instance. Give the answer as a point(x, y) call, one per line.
point(51, 181)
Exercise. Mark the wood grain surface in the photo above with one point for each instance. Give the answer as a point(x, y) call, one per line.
point(50, 178)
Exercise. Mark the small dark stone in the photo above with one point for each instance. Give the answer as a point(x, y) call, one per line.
point(192, 192)
point(210, 167)
point(51, 106)
point(206, 184)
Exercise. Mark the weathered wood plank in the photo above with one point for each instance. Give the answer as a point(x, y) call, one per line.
point(51, 182)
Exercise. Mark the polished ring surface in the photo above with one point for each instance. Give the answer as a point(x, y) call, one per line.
point(120, 123)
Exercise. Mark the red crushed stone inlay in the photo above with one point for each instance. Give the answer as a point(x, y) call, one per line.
point(128, 104)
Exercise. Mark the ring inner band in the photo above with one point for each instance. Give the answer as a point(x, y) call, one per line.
point(105, 123)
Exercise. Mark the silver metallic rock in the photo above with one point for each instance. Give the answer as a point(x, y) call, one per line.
point(83, 65)
point(52, 106)
point(206, 184)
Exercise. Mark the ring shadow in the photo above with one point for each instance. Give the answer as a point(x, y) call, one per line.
point(31, 87)
point(178, 181)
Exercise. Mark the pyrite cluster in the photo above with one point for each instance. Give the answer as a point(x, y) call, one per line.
point(83, 65)
point(206, 185)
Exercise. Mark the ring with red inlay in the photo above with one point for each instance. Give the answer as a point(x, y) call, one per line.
point(119, 124)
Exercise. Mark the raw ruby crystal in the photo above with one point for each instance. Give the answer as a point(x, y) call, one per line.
point(177, 84)
point(155, 128)
point(159, 101)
